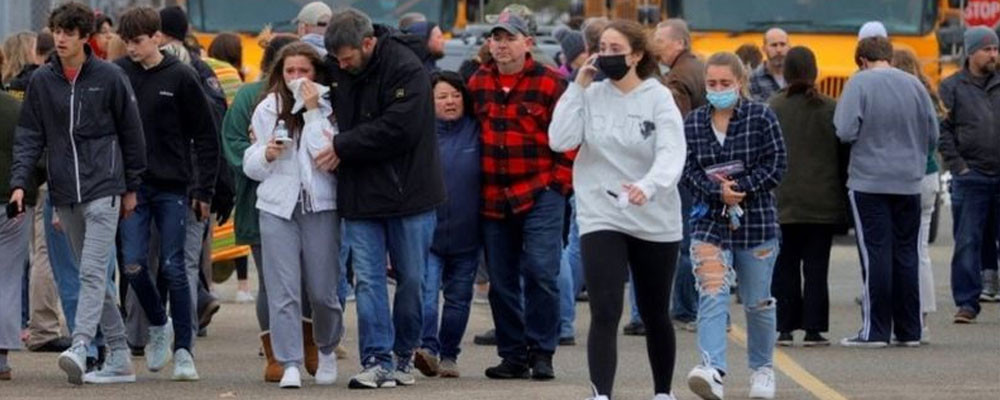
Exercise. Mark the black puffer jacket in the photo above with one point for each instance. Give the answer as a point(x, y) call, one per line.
point(970, 136)
point(90, 128)
point(387, 143)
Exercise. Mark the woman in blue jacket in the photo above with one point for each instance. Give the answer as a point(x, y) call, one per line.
point(454, 254)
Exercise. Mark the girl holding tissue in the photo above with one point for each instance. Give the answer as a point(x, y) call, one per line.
point(735, 159)
point(630, 136)
point(298, 219)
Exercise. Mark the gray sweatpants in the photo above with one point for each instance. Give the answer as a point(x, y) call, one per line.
point(296, 251)
point(91, 229)
point(193, 244)
point(15, 234)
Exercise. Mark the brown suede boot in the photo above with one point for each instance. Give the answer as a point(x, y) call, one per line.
point(273, 370)
point(309, 347)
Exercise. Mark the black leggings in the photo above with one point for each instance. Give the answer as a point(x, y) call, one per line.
point(607, 256)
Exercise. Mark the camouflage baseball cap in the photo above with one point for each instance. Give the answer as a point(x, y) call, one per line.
point(521, 11)
point(512, 24)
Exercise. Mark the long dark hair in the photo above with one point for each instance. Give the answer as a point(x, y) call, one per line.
point(638, 41)
point(227, 47)
point(800, 72)
point(276, 83)
point(456, 81)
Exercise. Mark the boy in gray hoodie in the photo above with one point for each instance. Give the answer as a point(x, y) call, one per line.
point(888, 118)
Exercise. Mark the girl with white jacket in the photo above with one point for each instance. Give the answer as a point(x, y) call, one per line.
point(631, 140)
point(298, 218)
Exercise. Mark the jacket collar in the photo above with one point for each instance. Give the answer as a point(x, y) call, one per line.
point(966, 75)
point(89, 60)
point(683, 57)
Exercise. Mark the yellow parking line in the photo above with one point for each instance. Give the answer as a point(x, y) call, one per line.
point(784, 363)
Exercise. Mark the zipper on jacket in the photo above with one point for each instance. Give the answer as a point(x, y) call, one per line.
point(114, 143)
point(72, 141)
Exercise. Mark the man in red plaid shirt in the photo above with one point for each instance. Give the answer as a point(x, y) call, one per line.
point(524, 189)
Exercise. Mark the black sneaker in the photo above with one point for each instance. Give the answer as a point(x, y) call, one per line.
point(488, 338)
point(785, 339)
point(508, 370)
point(567, 341)
point(635, 329)
point(814, 339)
point(541, 368)
point(57, 345)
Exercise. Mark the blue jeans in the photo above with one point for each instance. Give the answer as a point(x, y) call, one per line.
point(570, 277)
point(973, 197)
point(408, 242)
point(526, 246)
point(66, 272)
point(455, 275)
point(684, 305)
point(715, 269)
point(169, 212)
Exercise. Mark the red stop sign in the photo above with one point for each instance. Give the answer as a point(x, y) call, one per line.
point(982, 12)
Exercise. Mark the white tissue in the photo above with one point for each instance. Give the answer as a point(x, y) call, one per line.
point(296, 87)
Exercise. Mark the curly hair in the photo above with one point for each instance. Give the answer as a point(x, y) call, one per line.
point(73, 16)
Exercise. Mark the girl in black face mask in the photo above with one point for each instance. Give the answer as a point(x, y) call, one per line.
point(631, 144)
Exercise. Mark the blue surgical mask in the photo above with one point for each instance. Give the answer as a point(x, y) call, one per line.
point(722, 99)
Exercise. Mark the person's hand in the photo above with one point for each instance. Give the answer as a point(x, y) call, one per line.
point(309, 94)
point(17, 197)
point(253, 136)
point(635, 195)
point(587, 72)
point(274, 150)
point(201, 209)
point(129, 201)
point(327, 159)
point(730, 196)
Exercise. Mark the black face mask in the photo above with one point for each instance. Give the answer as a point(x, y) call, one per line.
point(613, 66)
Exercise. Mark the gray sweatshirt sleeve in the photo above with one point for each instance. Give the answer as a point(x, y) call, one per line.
point(848, 115)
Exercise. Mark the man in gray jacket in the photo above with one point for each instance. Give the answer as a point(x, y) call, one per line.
point(887, 116)
point(970, 144)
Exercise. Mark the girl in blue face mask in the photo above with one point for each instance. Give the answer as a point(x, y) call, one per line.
point(735, 158)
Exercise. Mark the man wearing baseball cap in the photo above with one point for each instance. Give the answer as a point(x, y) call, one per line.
point(524, 189)
point(311, 24)
point(971, 150)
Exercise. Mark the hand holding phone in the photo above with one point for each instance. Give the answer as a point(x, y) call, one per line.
point(15, 206)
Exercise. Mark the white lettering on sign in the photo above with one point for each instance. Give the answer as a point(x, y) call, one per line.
point(982, 12)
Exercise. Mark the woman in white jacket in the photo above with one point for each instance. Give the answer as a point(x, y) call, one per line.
point(298, 219)
point(632, 149)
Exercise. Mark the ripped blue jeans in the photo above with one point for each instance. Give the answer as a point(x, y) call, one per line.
point(714, 270)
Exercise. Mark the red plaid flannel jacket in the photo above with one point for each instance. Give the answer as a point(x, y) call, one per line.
point(517, 160)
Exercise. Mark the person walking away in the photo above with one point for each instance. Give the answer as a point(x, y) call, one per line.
point(736, 157)
point(812, 201)
point(89, 202)
point(625, 178)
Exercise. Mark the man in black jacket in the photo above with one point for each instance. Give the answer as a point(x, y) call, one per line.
point(175, 113)
point(388, 185)
point(81, 111)
point(970, 145)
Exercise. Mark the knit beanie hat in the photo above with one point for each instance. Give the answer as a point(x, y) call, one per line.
point(174, 22)
point(979, 37)
point(571, 42)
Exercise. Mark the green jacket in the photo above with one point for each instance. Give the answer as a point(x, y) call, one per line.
point(814, 189)
point(235, 142)
point(10, 110)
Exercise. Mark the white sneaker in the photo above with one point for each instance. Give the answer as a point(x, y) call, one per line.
point(762, 383)
point(158, 350)
point(706, 382)
point(73, 362)
point(292, 379)
point(117, 369)
point(244, 297)
point(662, 396)
point(184, 366)
point(326, 372)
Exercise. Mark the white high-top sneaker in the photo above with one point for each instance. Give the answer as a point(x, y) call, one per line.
point(326, 372)
point(762, 383)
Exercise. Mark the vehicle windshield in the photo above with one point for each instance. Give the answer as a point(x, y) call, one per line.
point(252, 15)
point(900, 17)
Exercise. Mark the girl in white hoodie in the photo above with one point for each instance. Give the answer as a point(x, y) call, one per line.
point(632, 149)
point(298, 219)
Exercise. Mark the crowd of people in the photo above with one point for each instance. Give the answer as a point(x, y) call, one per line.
point(627, 162)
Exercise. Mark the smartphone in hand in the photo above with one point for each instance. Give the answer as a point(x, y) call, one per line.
point(13, 210)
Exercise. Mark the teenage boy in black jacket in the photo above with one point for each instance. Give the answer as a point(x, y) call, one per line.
point(81, 111)
point(175, 113)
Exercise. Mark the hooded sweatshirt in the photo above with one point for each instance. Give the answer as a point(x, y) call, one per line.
point(174, 112)
point(635, 137)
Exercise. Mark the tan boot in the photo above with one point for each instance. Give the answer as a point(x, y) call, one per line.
point(273, 370)
point(309, 347)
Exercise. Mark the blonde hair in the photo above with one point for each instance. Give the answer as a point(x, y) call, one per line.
point(20, 51)
point(731, 60)
point(116, 47)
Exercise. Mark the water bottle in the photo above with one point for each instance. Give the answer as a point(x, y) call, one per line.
point(281, 132)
